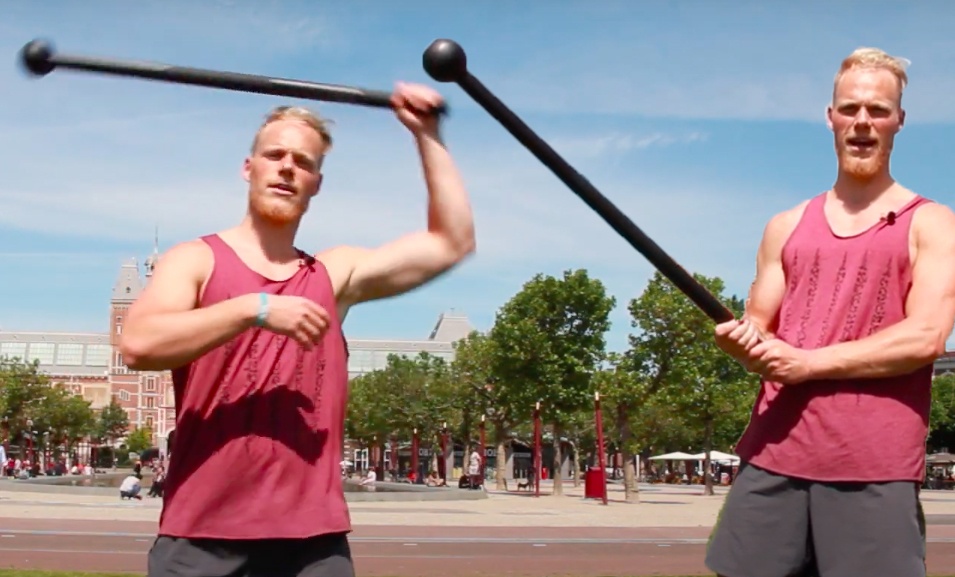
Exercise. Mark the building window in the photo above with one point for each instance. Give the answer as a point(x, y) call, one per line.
point(124, 395)
point(69, 354)
point(11, 350)
point(119, 329)
point(98, 355)
point(149, 423)
point(150, 384)
point(149, 402)
point(42, 352)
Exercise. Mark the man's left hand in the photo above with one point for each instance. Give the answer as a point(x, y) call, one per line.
point(415, 106)
point(779, 362)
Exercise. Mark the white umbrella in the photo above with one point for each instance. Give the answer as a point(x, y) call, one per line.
point(678, 456)
point(716, 456)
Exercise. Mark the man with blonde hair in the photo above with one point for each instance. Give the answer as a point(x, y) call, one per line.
point(853, 301)
point(251, 327)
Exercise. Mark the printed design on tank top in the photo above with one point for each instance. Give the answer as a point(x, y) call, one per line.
point(857, 289)
point(229, 351)
point(793, 285)
point(252, 362)
point(836, 289)
point(810, 300)
point(878, 315)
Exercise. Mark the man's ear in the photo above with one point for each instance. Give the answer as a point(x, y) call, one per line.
point(318, 185)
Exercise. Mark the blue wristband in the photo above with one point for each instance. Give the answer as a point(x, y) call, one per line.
point(263, 310)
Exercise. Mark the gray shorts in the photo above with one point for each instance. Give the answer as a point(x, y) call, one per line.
point(776, 526)
point(324, 556)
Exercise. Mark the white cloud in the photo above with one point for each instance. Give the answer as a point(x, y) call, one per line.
point(617, 143)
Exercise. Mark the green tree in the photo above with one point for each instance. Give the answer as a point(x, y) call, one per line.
point(675, 344)
point(407, 394)
point(549, 340)
point(138, 440)
point(483, 392)
point(67, 417)
point(623, 392)
point(22, 390)
point(942, 416)
point(112, 424)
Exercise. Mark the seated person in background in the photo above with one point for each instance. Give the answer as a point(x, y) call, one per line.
point(369, 480)
point(130, 487)
point(434, 480)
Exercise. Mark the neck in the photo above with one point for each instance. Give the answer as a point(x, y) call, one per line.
point(277, 242)
point(860, 192)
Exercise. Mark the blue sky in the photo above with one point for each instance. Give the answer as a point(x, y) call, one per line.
point(700, 120)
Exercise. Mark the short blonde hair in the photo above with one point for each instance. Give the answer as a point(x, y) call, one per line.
point(874, 59)
point(313, 120)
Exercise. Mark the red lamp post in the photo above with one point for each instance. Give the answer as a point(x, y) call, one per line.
point(538, 458)
point(601, 454)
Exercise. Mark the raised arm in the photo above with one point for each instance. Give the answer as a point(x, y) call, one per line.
point(414, 259)
point(164, 329)
point(929, 311)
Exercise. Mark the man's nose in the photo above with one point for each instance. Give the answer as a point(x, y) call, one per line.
point(863, 118)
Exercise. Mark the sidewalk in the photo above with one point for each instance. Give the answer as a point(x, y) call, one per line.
point(659, 506)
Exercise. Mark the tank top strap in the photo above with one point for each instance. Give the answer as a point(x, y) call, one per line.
point(219, 247)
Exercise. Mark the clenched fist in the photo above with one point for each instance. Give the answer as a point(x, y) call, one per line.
point(296, 317)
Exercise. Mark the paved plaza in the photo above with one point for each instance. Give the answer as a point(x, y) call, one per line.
point(505, 534)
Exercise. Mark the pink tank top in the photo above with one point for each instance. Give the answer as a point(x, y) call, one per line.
point(843, 289)
point(259, 422)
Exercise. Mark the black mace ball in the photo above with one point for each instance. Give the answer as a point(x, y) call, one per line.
point(37, 56)
point(445, 61)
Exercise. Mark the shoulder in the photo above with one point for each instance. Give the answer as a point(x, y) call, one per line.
point(189, 256)
point(782, 224)
point(339, 262)
point(188, 251)
point(934, 222)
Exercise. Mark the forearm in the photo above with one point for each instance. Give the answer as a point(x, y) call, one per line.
point(161, 341)
point(449, 210)
point(896, 350)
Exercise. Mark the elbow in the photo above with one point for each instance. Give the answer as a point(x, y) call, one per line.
point(467, 248)
point(933, 345)
point(134, 352)
point(459, 247)
point(467, 243)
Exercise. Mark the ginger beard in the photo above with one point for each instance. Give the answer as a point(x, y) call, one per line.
point(284, 172)
point(863, 157)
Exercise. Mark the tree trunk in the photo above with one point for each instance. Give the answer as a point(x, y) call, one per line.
point(707, 447)
point(558, 485)
point(631, 491)
point(576, 461)
point(500, 461)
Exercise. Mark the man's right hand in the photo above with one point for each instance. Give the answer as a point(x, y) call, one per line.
point(736, 338)
point(296, 317)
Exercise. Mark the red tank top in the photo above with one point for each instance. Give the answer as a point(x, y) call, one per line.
point(843, 289)
point(259, 422)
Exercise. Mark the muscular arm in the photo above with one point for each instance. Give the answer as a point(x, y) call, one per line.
point(769, 286)
point(412, 260)
point(929, 309)
point(164, 329)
